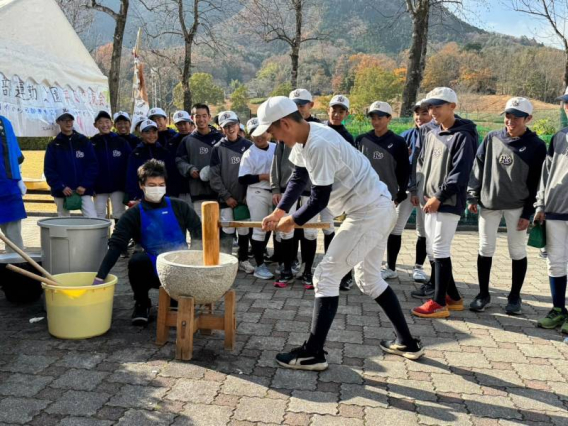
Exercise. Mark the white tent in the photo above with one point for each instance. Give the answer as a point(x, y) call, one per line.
point(44, 66)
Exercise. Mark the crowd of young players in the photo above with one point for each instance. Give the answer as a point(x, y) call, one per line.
point(437, 169)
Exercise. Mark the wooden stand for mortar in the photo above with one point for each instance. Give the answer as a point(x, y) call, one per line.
point(184, 319)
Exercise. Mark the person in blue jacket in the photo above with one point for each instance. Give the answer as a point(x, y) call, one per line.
point(159, 116)
point(112, 153)
point(70, 166)
point(177, 184)
point(148, 149)
point(12, 188)
point(122, 124)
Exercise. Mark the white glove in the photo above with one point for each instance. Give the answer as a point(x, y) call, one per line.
point(22, 187)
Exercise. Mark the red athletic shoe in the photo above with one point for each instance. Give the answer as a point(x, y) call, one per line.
point(454, 305)
point(431, 309)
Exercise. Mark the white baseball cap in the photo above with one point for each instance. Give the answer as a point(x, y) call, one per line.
point(301, 96)
point(62, 112)
point(157, 111)
point(120, 114)
point(182, 116)
point(252, 124)
point(137, 120)
point(440, 96)
point(519, 107)
point(418, 104)
point(271, 110)
point(382, 109)
point(227, 117)
point(204, 174)
point(339, 100)
point(146, 124)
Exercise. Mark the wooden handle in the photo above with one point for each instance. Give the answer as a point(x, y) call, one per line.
point(26, 257)
point(244, 224)
point(209, 221)
point(30, 275)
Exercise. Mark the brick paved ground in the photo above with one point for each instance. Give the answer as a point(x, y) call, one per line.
point(479, 369)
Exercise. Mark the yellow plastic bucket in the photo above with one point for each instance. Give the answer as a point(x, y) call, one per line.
point(76, 309)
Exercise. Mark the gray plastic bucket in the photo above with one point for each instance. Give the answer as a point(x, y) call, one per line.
point(73, 244)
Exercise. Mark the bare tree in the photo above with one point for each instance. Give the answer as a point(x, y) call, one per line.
point(555, 14)
point(193, 22)
point(120, 20)
point(283, 20)
point(79, 17)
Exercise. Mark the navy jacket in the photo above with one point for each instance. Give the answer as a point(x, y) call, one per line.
point(180, 185)
point(411, 137)
point(70, 161)
point(132, 140)
point(138, 157)
point(445, 163)
point(165, 135)
point(342, 130)
point(112, 153)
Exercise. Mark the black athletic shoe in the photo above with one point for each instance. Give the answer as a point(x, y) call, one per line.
point(308, 280)
point(285, 278)
point(301, 359)
point(268, 258)
point(480, 303)
point(141, 314)
point(514, 306)
point(412, 351)
point(345, 284)
point(426, 291)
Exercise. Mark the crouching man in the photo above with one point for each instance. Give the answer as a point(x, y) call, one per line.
point(159, 224)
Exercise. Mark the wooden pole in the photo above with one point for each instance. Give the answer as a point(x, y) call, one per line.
point(210, 226)
point(26, 257)
point(247, 224)
point(31, 275)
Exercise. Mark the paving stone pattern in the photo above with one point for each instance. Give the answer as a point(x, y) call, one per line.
point(479, 369)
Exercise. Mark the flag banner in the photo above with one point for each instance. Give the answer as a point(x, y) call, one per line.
point(139, 94)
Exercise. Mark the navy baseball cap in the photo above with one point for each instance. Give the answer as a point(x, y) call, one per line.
point(102, 114)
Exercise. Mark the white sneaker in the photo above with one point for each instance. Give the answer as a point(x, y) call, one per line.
point(419, 275)
point(246, 267)
point(263, 272)
point(389, 274)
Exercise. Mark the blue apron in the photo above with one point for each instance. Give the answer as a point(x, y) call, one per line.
point(161, 231)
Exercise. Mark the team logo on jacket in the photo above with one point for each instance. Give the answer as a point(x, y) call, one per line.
point(437, 152)
point(235, 160)
point(390, 146)
point(116, 153)
point(79, 154)
point(522, 149)
point(203, 150)
point(378, 155)
point(505, 159)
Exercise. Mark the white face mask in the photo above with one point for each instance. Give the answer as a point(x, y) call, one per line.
point(154, 194)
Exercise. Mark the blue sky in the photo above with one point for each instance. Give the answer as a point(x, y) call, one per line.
point(495, 15)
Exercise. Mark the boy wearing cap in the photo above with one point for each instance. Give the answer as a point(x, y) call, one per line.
point(70, 166)
point(552, 206)
point(388, 155)
point(176, 181)
point(337, 112)
point(122, 124)
point(504, 182)
point(148, 149)
point(337, 173)
point(159, 116)
point(224, 174)
point(194, 156)
point(444, 166)
point(112, 153)
point(254, 173)
point(411, 136)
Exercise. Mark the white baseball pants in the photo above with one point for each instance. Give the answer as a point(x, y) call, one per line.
point(440, 230)
point(259, 202)
point(87, 207)
point(227, 216)
point(403, 212)
point(13, 231)
point(116, 198)
point(359, 244)
point(557, 247)
point(489, 221)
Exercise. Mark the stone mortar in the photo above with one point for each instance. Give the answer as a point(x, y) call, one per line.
point(183, 274)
